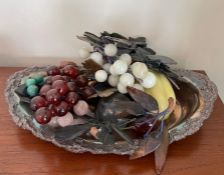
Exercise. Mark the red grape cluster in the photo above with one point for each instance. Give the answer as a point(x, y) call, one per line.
point(63, 91)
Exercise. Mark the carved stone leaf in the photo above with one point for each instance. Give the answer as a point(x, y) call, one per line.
point(163, 59)
point(146, 101)
point(144, 51)
point(123, 50)
point(115, 35)
point(25, 99)
point(105, 136)
point(147, 146)
point(105, 109)
point(119, 40)
point(161, 152)
point(106, 92)
point(139, 41)
point(83, 38)
point(91, 66)
point(149, 50)
point(21, 90)
point(102, 86)
point(122, 134)
point(26, 107)
point(129, 107)
point(71, 132)
point(92, 37)
point(150, 143)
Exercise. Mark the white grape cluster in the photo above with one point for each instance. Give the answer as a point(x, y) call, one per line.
point(117, 74)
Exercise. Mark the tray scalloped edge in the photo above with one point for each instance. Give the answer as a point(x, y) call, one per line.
point(206, 87)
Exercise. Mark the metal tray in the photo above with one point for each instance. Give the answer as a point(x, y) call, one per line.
point(196, 100)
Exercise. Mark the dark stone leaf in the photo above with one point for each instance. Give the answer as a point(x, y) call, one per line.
point(83, 38)
point(122, 134)
point(148, 124)
point(118, 40)
point(124, 50)
point(93, 37)
point(163, 68)
point(125, 47)
point(145, 100)
point(91, 66)
point(105, 110)
point(153, 62)
point(71, 132)
point(161, 152)
point(139, 41)
point(173, 81)
point(101, 86)
point(106, 92)
point(124, 122)
point(168, 110)
point(150, 143)
point(138, 57)
point(26, 107)
point(106, 137)
point(149, 50)
point(144, 119)
point(21, 90)
point(163, 59)
point(152, 120)
point(129, 107)
point(25, 99)
point(115, 35)
point(144, 51)
point(147, 146)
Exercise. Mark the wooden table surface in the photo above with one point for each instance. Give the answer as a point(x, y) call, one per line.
point(22, 153)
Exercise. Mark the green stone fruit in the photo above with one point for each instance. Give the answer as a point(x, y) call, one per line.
point(32, 90)
point(30, 82)
point(39, 79)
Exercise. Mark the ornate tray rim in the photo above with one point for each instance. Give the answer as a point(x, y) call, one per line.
point(207, 89)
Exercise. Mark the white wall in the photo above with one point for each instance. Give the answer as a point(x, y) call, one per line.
point(39, 32)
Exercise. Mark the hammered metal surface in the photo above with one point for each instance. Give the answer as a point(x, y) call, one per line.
point(190, 123)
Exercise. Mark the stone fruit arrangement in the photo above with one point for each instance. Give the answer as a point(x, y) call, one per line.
point(57, 94)
point(122, 91)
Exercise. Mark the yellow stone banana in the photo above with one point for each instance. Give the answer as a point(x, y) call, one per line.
point(162, 91)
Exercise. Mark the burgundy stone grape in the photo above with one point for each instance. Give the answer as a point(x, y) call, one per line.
point(52, 110)
point(38, 102)
point(67, 78)
point(61, 86)
point(72, 86)
point(81, 81)
point(53, 96)
point(48, 80)
point(88, 91)
point(71, 71)
point(62, 108)
point(57, 77)
point(65, 63)
point(72, 98)
point(57, 83)
point(53, 71)
point(44, 89)
point(42, 115)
